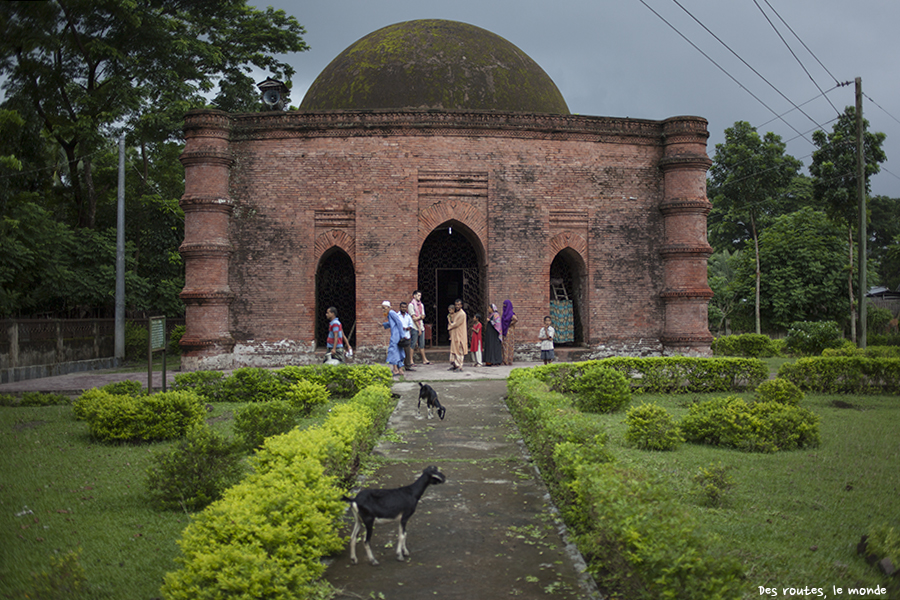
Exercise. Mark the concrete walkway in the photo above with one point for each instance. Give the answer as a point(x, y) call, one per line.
point(489, 532)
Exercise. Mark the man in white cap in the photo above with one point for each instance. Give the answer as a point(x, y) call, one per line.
point(392, 321)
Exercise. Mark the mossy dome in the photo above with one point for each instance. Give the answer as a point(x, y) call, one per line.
point(434, 64)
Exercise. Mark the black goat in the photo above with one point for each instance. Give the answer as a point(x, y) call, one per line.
point(427, 393)
point(396, 505)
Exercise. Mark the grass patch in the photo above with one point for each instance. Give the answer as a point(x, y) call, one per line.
point(68, 504)
point(794, 518)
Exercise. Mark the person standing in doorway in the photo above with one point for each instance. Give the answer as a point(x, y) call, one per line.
point(417, 311)
point(546, 337)
point(493, 345)
point(458, 328)
point(335, 344)
point(476, 345)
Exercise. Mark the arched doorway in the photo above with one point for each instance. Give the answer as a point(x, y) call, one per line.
point(567, 276)
point(336, 286)
point(450, 267)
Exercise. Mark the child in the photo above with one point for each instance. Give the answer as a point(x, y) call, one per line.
point(476, 340)
point(546, 337)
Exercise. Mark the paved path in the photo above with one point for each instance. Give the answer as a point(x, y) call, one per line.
point(489, 532)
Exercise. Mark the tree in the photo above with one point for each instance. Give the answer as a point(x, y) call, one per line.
point(748, 178)
point(720, 269)
point(835, 179)
point(802, 256)
point(92, 67)
point(884, 239)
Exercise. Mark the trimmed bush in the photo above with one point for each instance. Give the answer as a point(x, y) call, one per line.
point(651, 427)
point(751, 345)
point(713, 482)
point(753, 427)
point(255, 422)
point(601, 390)
point(668, 375)
point(162, 416)
point(844, 374)
point(267, 535)
point(128, 387)
point(779, 390)
point(306, 395)
point(206, 384)
point(35, 399)
point(252, 384)
point(195, 472)
point(808, 338)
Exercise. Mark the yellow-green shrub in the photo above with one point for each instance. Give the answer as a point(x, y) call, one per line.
point(651, 427)
point(305, 395)
point(265, 538)
point(844, 374)
point(162, 416)
point(755, 427)
point(779, 390)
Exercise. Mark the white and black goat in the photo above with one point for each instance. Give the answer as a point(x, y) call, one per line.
point(396, 505)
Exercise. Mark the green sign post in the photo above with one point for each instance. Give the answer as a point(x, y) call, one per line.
point(157, 341)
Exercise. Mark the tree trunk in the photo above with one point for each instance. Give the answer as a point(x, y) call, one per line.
point(758, 271)
point(90, 192)
point(75, 181)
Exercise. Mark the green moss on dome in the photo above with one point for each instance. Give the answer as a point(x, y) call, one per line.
point(434, 64)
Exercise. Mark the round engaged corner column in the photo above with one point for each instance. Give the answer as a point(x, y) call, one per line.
point(685, 249)
point(206, 249)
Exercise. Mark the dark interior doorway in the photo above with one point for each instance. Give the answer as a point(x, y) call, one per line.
point(449, 268)
point(567, 274)
point(336, 286)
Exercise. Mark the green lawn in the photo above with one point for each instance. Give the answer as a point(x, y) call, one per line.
point(794, 518)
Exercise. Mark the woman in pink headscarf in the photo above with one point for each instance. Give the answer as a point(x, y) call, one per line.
point(493, 348)
point(507, 329)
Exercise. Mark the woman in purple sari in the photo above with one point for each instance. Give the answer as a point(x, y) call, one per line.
point(507, 328)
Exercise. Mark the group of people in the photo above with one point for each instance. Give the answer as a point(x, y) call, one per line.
point(493, 344)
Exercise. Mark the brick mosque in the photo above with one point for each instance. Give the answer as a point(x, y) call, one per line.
point(435, 155)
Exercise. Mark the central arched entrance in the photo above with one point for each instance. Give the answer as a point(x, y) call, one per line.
point(450, 267)
point(336, 286)
point(567, 293)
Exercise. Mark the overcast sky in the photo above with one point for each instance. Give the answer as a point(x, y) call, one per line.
point(617, 58)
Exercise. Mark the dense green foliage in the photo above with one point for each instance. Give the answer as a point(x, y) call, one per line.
point(256, 421)
point(265, 538)
point(254, 384)
point(844, 374)
point(195, 471)
point(812, 338)
point(651, 427)
point(34, 399)
point(680, 375)
point(753, 427)
point(779, 390)
point(599, 389)
point(121, 417)
point(637, 538)
point(751, 345)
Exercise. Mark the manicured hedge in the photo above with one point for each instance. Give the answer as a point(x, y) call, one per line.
point(635, 535)
point(844, 374)
point(750, 345)
point(254, 384)
point(266, 537)
point(669, 375)
point(117, 418)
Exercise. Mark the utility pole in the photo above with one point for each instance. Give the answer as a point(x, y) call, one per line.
point(120, 257)
point(861, 196)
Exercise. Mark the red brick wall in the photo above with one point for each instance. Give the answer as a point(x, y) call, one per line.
point(301, 182)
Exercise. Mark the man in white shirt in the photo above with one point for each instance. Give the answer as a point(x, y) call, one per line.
point(405, 341)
